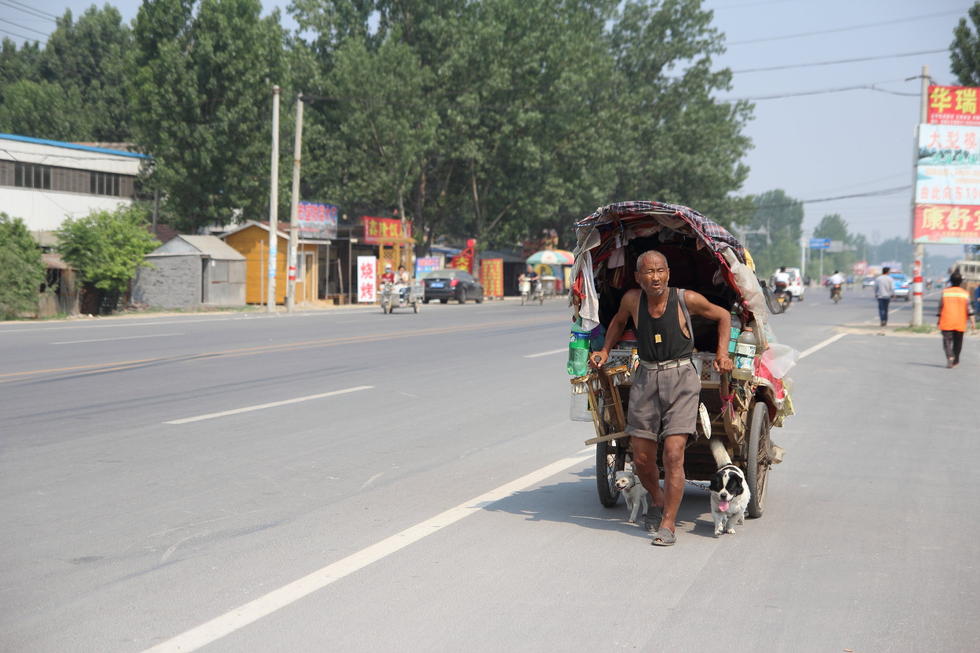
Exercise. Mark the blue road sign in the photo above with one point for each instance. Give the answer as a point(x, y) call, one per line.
point(820, 243)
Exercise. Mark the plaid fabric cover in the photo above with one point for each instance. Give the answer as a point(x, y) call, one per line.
point(708, 231)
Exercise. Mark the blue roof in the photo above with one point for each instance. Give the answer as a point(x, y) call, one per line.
point(72, 146)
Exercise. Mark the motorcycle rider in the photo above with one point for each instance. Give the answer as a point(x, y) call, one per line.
point(836, 282)
point(402, 280)
point(780, 283)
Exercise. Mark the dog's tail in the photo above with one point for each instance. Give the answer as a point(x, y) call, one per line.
point(719, 452)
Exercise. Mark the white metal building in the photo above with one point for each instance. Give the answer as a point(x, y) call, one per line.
point(43, 182)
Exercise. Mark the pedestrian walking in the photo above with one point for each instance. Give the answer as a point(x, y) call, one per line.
point(884, 290)
point(954, 312)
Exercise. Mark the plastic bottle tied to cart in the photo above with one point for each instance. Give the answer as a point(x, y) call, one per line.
point(745, 354)
point(578, 350)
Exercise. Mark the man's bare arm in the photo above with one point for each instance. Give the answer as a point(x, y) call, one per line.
point(698, 305)
point(616, 327)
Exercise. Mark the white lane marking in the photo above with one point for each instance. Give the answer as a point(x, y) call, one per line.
point(547, 353)
point(279, 598)
point(152, 335)
point(817, 347)
point(248, 409)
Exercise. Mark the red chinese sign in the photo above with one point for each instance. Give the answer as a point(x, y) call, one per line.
point(367, 268)
point(953, 105)
point(492, 276)
point(385, 231)
point(953, 224)
point(464, 260)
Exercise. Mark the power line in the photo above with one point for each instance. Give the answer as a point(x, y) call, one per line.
point(872, 193)
point(873, 86)
point(30, 29)
point(20, 36)
point(837, 61)
point(846, 29)
point(28, 9)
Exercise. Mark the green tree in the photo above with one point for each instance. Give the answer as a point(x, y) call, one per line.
point(773, 234)
point(21, 268)
point(834, 227)
point(107, 248)
point(78, 78)
point(201, 105)
point(964, 51)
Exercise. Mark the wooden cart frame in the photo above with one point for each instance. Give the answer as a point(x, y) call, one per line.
point(740, 414)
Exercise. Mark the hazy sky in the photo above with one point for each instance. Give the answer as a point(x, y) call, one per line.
point(819, 145)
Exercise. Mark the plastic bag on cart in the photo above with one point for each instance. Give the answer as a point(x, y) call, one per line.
point(779, 359)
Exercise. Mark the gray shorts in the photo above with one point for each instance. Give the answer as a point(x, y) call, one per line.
point(664, 402)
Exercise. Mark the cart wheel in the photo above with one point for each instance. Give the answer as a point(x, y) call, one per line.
point(759, 458)
point(609, 459)
point(415, 307)
point(541, 299)
point(523, 298)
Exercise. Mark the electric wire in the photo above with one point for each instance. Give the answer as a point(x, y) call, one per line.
point(837, 61)
point(19, 26)
point(19, 36)
point(20, 6)
point(873, 86)
point(846, 29)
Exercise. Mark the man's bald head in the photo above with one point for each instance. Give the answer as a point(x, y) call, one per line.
point(654, 257)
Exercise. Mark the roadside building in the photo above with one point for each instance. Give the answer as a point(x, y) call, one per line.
point(43, 181)
point(189, 272)
point(251, 240)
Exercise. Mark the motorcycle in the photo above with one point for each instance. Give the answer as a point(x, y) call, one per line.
point(782, 295)
point(392, 297)
point(835, 292)
point(531, 291)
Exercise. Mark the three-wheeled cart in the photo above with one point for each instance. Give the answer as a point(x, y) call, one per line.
point(737, 414)
point(391, 298)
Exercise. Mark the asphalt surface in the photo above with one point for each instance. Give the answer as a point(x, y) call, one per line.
point(423, 490)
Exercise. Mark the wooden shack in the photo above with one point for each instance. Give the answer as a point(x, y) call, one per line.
point(251, 240)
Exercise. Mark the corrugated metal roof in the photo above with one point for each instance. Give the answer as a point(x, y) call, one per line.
point(72, 146)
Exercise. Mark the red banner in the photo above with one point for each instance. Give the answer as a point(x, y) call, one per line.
point(492, 276)
point(953, 105)
point(385, 231)
point(464, 260)
point(947, 224)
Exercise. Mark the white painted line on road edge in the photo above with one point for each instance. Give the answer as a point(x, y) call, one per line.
point(547, 353)
point(249, 409)
point(277, 599)
point(152, 335)
point(815, 348)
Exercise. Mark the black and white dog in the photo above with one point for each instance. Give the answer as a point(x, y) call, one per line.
point(637, 497)
point(729, 498)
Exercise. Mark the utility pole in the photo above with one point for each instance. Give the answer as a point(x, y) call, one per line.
point(294, 208)
point(270, 300)
point(920, 249)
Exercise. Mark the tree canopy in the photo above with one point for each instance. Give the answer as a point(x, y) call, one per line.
point(965, 48)
point(21, 269)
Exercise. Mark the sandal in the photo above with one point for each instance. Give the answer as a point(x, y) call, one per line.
point(664, 537)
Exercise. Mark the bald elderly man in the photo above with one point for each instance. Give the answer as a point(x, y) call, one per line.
point(666, 389)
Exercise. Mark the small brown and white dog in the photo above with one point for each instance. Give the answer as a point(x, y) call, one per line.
point(729, 498)
point(637, 497)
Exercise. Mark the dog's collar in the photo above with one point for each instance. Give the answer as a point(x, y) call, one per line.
point(729, 466)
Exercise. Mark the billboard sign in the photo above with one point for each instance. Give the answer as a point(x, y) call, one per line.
point(316, 221)
point(944, 224)
point(952, 105)
point(425, 264)
point(385, 231)
point(492, 276)
point(367, 279)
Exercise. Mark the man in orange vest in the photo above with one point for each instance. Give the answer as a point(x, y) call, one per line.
point(954, 311)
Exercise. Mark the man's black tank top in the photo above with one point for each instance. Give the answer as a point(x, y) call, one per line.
point(672, 343)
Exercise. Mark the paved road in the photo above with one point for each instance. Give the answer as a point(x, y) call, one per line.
point(423, 490)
